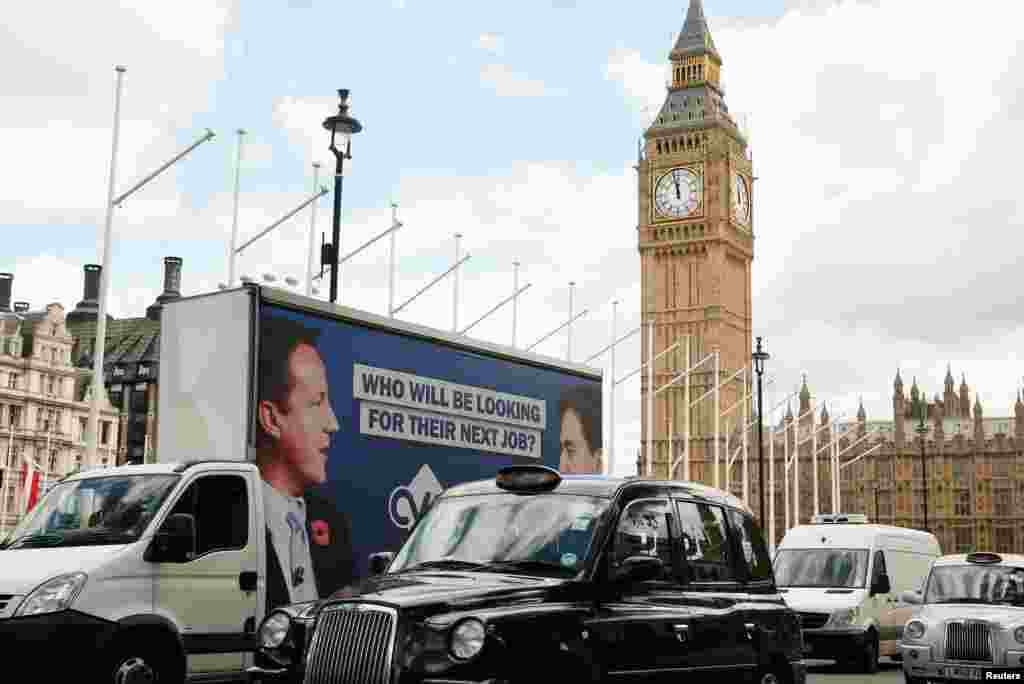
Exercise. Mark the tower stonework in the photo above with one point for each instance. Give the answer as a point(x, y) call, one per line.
point(696, 245)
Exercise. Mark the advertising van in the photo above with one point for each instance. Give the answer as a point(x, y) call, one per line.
point(294, 439)
point(845, 578)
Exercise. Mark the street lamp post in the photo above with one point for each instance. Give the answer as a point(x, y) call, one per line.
point(343, 125)
point(921, 430)
point(759, 357)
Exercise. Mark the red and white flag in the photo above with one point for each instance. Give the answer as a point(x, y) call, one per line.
point(31, 483)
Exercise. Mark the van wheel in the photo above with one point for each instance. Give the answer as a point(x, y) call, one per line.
point(868, 662)
point(143, 660)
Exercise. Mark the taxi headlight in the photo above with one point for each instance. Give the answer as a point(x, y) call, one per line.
point(847, 617)
point(1018, 635)
point(467, 639)
point(915, 630)
point(53, 595)
point(274, 629)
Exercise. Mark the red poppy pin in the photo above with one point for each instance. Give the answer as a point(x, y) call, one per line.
point(321, 532)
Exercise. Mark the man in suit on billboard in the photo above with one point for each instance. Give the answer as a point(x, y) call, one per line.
point(309, 542)
point(580, 431)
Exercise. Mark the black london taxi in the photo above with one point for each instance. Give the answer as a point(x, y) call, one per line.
point(534, 576)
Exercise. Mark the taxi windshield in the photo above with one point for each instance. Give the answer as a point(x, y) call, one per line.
point(96, 510)
point(976, 584)
point(537, 533)
point(826, 568)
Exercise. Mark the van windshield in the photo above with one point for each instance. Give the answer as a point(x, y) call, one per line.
point(97, 510)
point(832, 568)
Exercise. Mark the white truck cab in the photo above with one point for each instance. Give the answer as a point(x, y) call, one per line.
point(845, 577)
point(138, 573)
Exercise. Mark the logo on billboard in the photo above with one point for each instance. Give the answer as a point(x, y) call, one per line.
point(407, 503)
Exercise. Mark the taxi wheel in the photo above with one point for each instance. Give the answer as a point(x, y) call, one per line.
point(913, 680)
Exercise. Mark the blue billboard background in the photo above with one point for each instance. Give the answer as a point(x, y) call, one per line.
point(380, 482)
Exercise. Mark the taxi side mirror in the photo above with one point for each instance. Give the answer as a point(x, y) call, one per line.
point(380, 561)
point(881, 585)
point(912, 597)
point(638, 569)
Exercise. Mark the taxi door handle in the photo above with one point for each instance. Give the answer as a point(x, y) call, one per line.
point(682, 633)
point(751, 628)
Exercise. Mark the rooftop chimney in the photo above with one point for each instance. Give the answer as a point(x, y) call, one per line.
point(172, 287)
point(6, 280)
point(89, 308)
point(20, 307)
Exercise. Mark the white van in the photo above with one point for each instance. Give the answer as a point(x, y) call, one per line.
point(844, 577)
point(139, 573)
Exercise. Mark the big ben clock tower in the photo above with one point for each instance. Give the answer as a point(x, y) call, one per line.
point(696, 245)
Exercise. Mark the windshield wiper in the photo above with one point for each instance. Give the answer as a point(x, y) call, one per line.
point(527, 564)
point(45, 537)
point(453, 563)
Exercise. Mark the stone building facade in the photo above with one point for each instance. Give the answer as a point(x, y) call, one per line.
point(44, 402)
point(974, 467)
point(696, 245)
point(46, 360)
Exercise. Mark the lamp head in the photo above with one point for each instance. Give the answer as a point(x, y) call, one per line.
point(341, 124)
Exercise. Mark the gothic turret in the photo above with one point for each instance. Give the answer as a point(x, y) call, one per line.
point(979, 426)
point(950, 403)
point(965, 399)
point(1018, 412)
point(897, 385)
point(805, 398)
point(862, 419)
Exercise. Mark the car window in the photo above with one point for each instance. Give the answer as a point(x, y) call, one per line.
point(755, 552)
point(220, 506)
point(704, 541)
point(643, 530)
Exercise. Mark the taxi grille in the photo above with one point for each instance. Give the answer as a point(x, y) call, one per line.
point(813, 620)
point(968, 641)
point(352, 644)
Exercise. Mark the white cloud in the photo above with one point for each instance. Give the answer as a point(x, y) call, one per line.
point(491, 42)
point(508, 83)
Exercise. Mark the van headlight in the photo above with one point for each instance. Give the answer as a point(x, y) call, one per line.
point(914, 630)
point(847, 617)
point(467, 639)
point(53, 595)
point(274, 629)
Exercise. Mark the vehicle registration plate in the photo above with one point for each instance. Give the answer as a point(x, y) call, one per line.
point(962, 672)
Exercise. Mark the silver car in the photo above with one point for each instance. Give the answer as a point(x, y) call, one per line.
point(969, 624)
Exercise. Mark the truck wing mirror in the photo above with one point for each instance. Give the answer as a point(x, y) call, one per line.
point(380, 561)
point(881, 585)
point(638, 569)
point(912, 597)
point(175, 541)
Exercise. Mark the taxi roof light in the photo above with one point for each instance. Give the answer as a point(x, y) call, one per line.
point(984, 558)
point(839, 518)
point(528, 478)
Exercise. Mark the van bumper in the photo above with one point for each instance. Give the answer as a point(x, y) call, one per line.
point(834, 644)
point(57, 642)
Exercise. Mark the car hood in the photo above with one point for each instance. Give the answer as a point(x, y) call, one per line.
point(22, 570)
point(453, 589)
point(940, 612)
point(821, 600)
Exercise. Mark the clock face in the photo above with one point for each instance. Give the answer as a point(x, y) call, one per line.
point(740, 199)
point(678, 193)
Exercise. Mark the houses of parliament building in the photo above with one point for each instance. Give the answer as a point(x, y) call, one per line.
point(695, 239)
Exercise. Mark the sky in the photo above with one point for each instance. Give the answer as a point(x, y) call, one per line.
point(884, 134)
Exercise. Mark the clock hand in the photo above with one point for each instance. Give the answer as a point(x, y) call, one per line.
point(678, 195)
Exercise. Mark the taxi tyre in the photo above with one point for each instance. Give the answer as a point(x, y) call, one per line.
point(913, 680)
point(143, 656)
